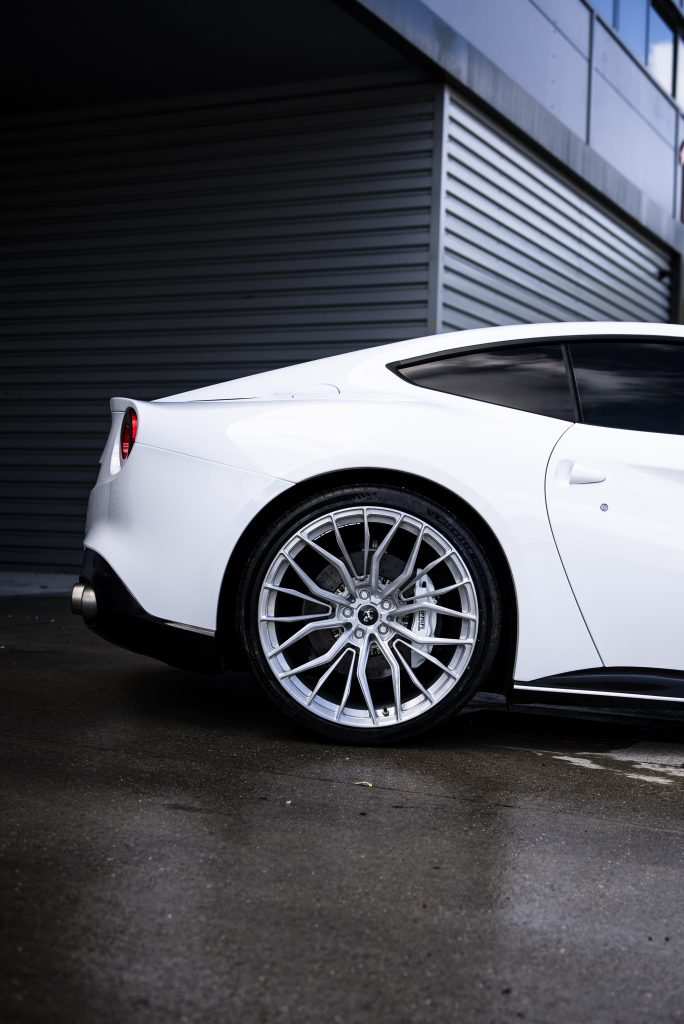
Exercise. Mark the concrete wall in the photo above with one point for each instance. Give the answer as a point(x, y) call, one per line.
point(546, 52)
point(584, 76)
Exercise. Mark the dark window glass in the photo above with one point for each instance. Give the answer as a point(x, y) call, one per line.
point(660, 50)
point(528, 377)
point(631, 24)
point(631, 384)
point(605, 8)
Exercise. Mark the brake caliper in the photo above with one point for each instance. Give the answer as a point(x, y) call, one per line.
point(424, 622)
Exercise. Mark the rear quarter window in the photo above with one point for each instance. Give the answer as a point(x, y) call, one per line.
point(532, 378)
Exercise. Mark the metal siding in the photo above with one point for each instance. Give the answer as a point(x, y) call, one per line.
point(149, 251)
point(521, 245)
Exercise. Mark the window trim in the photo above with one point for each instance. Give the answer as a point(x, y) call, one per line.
point(574, 390)
point(564, 342)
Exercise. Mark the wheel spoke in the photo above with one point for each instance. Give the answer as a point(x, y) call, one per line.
point(431, 641)
point(336, 562)
point(347, 688)
point(361, 664)
point(312, 627)
point(325, 595)
point(395, 670)
point(407, 572)
point(322, 659)
point(428, 606)
point(431, 658)
point(342, 546)
point(298, 593)
point(443, 590)
point(366, 542)
point(428, 569)
point(328, 672)
point(380, 551)
point(293, 618)
point(413, 677)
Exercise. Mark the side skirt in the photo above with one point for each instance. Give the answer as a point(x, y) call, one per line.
point(643, 692)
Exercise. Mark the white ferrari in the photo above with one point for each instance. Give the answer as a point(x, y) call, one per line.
point(384, 535)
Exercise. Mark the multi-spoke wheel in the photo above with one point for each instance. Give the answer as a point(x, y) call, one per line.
point(370, 613)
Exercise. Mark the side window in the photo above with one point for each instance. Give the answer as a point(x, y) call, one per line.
point(532, 378)
point(633, 385)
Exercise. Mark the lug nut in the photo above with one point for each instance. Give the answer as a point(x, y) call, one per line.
point(386, 605)
point(347, 612)
point(358, 633)
point(382, 628)
point(363, 594)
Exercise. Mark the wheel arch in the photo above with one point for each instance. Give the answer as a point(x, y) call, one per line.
point(226, 619)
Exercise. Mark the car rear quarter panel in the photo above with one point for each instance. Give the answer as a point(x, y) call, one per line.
point(201, 471)
point(167, 522)
point(493, 458)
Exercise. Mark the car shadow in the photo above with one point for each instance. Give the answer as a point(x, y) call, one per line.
point(235, 702)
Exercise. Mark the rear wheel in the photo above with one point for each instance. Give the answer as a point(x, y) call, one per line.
point(370, 614)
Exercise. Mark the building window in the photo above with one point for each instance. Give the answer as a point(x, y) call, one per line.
point(606, 8)
point(650, 37)
point(632, 25)
point(660, 50)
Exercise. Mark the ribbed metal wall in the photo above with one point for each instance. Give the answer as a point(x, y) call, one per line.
point(154, 249)
point(521, 245)
point(147, 251)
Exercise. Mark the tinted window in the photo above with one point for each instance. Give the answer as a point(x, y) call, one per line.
point(630, 384)
point(528, 377)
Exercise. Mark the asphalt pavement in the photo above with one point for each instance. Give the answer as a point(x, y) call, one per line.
point(171, 849)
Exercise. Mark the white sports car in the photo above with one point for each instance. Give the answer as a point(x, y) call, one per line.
point(382, 535)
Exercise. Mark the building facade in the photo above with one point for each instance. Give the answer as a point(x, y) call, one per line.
point(226, 200)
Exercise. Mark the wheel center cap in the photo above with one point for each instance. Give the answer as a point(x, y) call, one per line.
point(368, 615)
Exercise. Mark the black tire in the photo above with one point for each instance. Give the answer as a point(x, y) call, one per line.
point(471, 550)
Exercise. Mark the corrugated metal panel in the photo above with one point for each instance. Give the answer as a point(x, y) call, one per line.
point(521, 245)
point(151, 250)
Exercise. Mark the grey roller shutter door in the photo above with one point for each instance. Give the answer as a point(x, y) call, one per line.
point(154, 249)
point(522, 245)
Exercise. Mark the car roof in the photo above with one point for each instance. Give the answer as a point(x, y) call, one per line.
point(364, 369)
point(521, 333)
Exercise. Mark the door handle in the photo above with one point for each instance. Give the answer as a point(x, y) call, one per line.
point(580, 474)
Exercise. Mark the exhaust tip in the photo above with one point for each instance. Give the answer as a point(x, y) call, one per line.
point(84, 601)
point(77, 597)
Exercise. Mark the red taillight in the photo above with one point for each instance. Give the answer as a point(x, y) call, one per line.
point(129, 430)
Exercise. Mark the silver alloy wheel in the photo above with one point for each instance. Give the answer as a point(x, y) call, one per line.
point(368, 616)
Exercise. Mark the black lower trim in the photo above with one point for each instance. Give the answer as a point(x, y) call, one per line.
point(121, 620)
point(649, 692)
point(601, 711)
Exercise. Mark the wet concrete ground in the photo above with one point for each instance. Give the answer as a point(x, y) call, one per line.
point(171, 849)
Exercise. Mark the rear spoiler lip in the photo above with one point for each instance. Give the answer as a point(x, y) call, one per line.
point(119, 404)
point(313, 392)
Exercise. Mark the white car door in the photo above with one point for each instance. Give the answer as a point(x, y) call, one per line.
point(615, 497)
